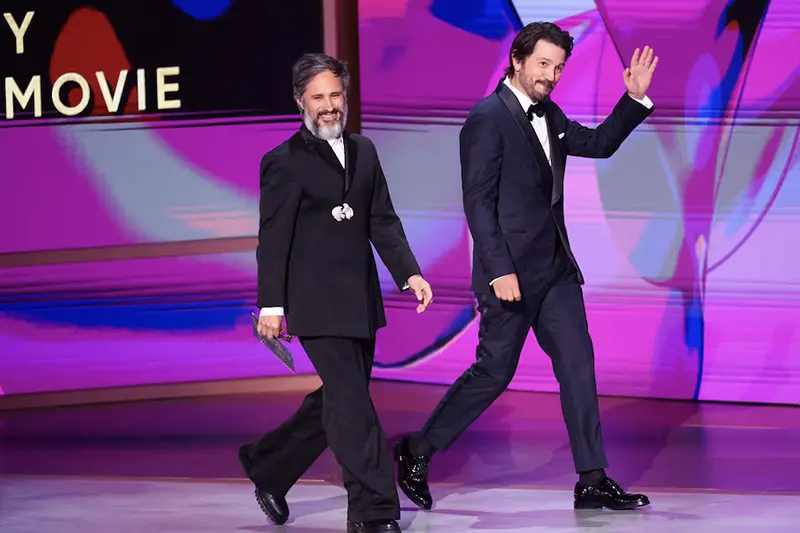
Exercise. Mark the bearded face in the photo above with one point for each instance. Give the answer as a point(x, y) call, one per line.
point(324, 106)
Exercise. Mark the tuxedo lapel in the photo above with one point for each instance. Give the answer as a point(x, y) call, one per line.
point(557, 165)
point(524, 124)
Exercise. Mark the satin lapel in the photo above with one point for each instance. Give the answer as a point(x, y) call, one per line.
point(555, 155)
point(524, 124)
point(350, 157)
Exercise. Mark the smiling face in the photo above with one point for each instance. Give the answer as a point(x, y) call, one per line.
point(538, 74)
point(324, 106)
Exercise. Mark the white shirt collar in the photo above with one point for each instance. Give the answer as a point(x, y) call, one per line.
point(524, 100)
point(336, 142)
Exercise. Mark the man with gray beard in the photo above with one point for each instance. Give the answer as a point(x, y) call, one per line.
point(324, 198)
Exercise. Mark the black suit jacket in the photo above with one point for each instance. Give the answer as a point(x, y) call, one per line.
point(323, 272)
point(513, 198)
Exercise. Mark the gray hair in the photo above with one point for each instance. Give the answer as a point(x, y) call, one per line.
point(309, 65)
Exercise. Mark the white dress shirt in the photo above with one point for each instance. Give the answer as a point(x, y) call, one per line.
point(338, 148)
point(540, 123)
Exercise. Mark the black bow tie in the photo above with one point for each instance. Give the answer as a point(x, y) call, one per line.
point(535, 110)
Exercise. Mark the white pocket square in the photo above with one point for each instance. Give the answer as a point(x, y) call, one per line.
point(561, 135)
point(341, 212)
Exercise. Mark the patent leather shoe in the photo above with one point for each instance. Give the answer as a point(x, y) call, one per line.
point(412, 475)
point(607, 493)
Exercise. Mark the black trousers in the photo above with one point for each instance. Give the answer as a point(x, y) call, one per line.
point(340, 414)
point(558, 319)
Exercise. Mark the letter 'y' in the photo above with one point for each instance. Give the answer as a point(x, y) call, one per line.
point(19, 31)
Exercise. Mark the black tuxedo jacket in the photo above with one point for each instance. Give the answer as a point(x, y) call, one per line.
point(513, 198)
point(322, 272)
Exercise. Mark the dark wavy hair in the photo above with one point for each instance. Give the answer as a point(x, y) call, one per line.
point(309, 65)
point(526, 39)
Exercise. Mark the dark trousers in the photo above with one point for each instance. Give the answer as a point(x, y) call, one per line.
point(558, 319)
point(340, 414)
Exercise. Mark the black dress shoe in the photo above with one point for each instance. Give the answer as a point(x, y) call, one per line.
point(412, 475)
point(275, 507)
point(373, 526)
point(609, 494)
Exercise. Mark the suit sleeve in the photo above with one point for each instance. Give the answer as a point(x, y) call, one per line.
point(603, 141)
point(387, 234)
point(481, 155)
point(280, 199)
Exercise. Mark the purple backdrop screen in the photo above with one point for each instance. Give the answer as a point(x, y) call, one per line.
point(685, 236)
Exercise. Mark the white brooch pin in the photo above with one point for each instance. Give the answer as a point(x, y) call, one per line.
point(341, 212)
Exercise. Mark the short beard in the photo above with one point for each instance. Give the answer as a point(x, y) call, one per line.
point(325, 132)
point(536, 96)
point(532, 90)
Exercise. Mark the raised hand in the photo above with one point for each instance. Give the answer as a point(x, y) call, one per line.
point(638, 76)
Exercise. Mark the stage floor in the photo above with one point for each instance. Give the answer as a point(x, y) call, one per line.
point(171, 466)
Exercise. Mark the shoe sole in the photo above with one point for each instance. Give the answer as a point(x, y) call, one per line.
point(585, 506)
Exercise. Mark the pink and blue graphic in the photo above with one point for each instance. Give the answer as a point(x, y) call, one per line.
point(685, 236)
point(111, 185)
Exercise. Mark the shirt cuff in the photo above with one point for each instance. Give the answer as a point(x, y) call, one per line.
point(271, 311)
point(644, 101)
